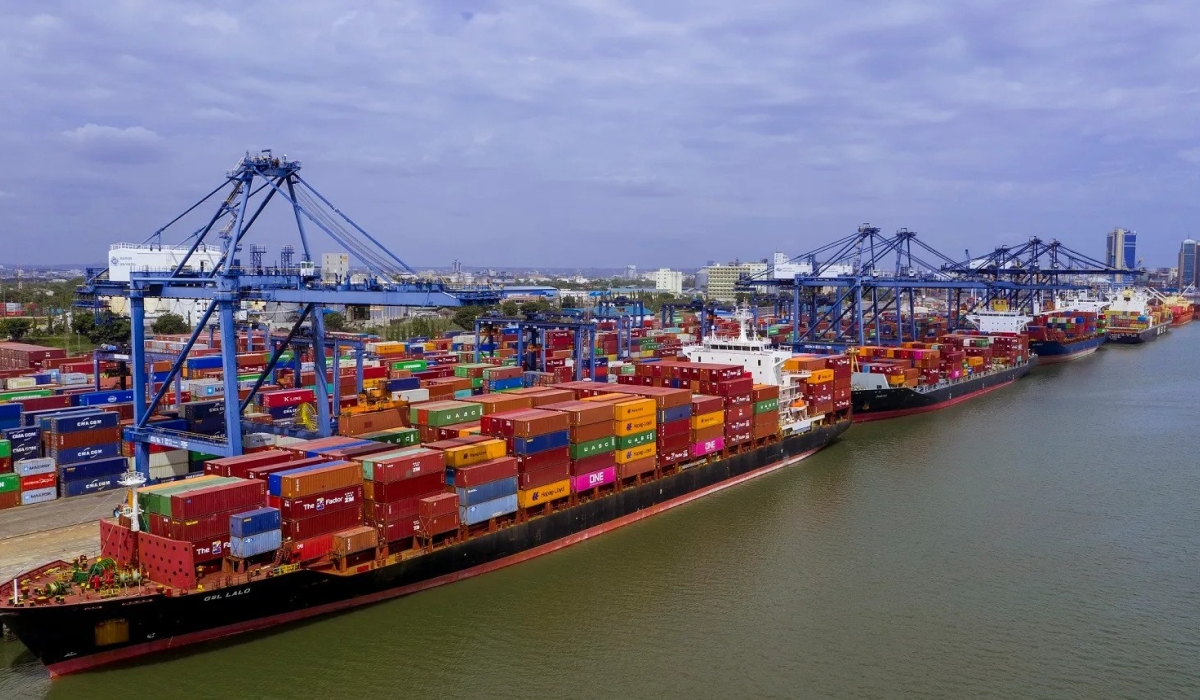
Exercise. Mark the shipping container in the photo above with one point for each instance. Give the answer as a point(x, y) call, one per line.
point(544, 494)
point(439, 524)
point(473, 495)
point(403, 464)
point(39, 495)
point(388, 491)
point(313, 480)
point(79, 423)
point(254, 522)
point(482, 512)
point(354, 540)
point(334, 499)
point(80, 487)
point(246, 546)
point(30, 467)
point(546, 475)
point(591, 480)
point(89, 470)
point(636, 439)
point(539, 443)
point(322, 523)
point(482, 472)
point(438, 505)
point(244, 493)
point(583, 412)
point(474, 453)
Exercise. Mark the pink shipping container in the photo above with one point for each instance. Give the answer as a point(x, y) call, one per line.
point(248, 494)
point(286, 397)
point(708, 447)
point(584, 482)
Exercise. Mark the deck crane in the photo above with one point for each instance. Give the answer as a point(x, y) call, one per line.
point(226, 287)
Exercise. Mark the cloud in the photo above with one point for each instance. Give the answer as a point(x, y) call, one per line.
point(110, 144)
point(731, 126)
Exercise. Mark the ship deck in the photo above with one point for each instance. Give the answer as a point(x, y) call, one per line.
point(64, 528)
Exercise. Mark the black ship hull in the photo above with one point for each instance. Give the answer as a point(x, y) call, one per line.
point(1131, 337)
point(881, 404)
point(65, 637)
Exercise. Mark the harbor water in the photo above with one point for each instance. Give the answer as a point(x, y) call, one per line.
point(1040, 541)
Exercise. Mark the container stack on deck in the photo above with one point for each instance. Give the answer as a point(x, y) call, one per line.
point(539, 440)
point(394, 483)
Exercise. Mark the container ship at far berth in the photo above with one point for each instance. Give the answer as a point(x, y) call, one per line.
point(1182, 310)
point(1075, 329)
point(890, 382)
point(307, 528)
point(1131, 319)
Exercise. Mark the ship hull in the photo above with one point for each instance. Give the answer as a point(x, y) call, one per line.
point(1051, 352)
point(881, 404)
point(63, 637)
point(1123, 337)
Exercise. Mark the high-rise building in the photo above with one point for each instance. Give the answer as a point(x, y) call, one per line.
point(335, 267)
point(667, 280)
point(1121, 248)
point(1189, 271)
point(721, 279)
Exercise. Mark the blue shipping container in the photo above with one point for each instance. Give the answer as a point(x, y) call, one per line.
point(670, 415)
point(49, 493)
point(275, 481)
point(253, 545)
point(9, 411)
point(72, 455)
point(280, 412)
point(206, 362)
point(102, 398)
point(41, 419)
point(254, 522)
point(173, 424)
point(89, 470)
point(474, 495)
point(403, 384)
point(482, 512)
point(22, 435)
point(199, 410)
point(80, 487)
point(87, 421)
point(541, 443)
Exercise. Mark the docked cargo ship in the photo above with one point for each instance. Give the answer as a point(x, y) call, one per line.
point(1182, 310)
point(1132, 319)
point(1072, 331)
point(235, 551)
point(919, 377)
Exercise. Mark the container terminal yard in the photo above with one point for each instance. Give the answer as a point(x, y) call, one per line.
point(181, 488)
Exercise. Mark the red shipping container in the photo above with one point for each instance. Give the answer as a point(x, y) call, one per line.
point(266, 470)
point(247, 494)
point(542, 460)
point(482, 473)
point(238, 466)
point(312, 547)
point(674, 456)
point(441, 504)
point(524, 423)
point(544, 477)
point(38, 481)
point(447, 522)
point(401, 529)
point(739, 427)
point(207, 527)
point(385, 492)
point(336, 499)
point(419, 462)
point(210, 548)
point(738, 438)
point(391, 511)
point(675, 427)
point(41, 403)
point(637, 466)
point(674, 442)
point(734, 414)
point(322, 523)
point(702, 404)
point(740, 399)
point(595, 463)
point(286, 397)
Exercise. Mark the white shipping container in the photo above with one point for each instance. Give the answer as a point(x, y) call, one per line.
point(34, 466)
point(411, 395)
point(50, 493)
point(73, 379)
point(258, 440)
point(169, 458)
point(21, 383)
point(168, 471)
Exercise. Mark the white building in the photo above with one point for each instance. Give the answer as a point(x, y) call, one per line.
point(335, 267)
point(668, 280)
point(722, 278)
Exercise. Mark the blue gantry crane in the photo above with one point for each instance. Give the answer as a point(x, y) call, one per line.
point(227, 286)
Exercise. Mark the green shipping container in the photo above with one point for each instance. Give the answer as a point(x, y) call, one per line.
point(580, 450)
point(463, 412)
point(25, 394)
point(394, 436)
point(765, 406)
point(158, 501)
point(5, 449)
point(476, 382)
point(9, 482)
point(624, 442)
point(411, 365)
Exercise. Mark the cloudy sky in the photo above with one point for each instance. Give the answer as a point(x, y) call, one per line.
point(609, 132)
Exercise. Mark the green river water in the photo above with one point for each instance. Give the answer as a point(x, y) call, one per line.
point(1042, 541)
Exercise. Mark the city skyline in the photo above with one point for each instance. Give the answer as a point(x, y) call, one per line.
point(621, 133)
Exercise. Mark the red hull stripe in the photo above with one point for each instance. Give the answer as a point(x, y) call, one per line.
point(883, 415)
point(107, 657)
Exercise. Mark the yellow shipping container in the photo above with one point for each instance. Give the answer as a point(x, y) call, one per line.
point(605, 397)
point(707, 420)
point(466, 455)
point(821, 376)
point(635, 453)
point(527, 498)
point(896, 379)
point(635, 425)
point(636, 408)
point(975, 361)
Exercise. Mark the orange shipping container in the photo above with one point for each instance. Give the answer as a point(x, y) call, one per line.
point(320, 480)
point(356, 539)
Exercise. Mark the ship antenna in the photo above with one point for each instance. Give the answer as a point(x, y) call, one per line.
point(132, 480)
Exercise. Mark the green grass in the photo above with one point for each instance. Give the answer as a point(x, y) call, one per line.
point(74, 344)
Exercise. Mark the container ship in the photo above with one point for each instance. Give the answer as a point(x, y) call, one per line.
point(1131, 319)
point(1182, 310)
point(890, 382)
point(1073, 330)
point(310, 527)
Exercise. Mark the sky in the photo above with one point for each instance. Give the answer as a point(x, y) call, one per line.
point(608, 132)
